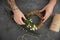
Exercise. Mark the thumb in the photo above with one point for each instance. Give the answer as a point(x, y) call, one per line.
point(24, 17)
point(42, 9)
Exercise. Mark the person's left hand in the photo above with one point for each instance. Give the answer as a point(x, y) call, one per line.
point(48, 8)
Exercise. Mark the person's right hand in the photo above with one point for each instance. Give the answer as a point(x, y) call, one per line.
point(18, 15)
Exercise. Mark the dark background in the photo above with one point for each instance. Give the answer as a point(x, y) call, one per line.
point(8, 28)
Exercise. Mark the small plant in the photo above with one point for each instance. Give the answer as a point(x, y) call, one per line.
point(30, 24)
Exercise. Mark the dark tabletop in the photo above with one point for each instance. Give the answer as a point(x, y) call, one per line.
point(8, 28)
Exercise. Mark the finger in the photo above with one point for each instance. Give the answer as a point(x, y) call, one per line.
point(46, 16)
point(22, 23)
point(42, 9)
point(24, 17)
point(44, 20)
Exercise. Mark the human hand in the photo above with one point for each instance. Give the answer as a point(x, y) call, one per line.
point(48, 9)
point(18, 15)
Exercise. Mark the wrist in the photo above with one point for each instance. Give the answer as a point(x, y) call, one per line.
point(16, 11)
point(53, 2)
